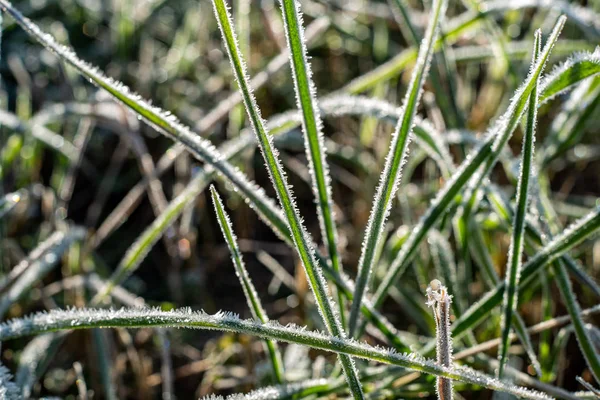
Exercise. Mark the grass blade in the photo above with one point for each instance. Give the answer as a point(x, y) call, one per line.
point(312, 127)
point(577, 68)
point(297, 230)
point(252, 298)
point(58, 320)
point(391, 174)
point(515, 252)
point(581, 332)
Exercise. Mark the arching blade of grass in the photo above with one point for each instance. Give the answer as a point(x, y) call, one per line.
point(252, 298)
point(577, 68)
point(312, 127)
point(515, 252)
point(299, 235)
point(579, 231)
point(488, 154)
point(568, 126)
point(59, 320)
point(391, 174)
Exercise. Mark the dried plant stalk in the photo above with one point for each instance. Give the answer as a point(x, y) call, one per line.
point(439, 300)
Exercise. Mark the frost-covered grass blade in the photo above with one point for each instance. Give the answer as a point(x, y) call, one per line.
point(252, 298)
point(312, 127)
point(391, 174)
point(515, 253)
point(58, 320)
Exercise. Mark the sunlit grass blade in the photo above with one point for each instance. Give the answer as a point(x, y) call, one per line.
point(515, 252)
point(39, 263)
point(58, 320)
point(312, 127)
point(298, 232)
point(577, 68)
point(487, 155)
point(252, 298)
point(391, 174)
point(579, 231)
point(581, 331)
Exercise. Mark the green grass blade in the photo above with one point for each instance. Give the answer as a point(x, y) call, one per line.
point(581, 332)
point(312, 127)
point(515, 252)
point(579, 231)
point(252, 298)
point(391, 174)
point(58, 320)
point(577, 68)
point(499, 135)
point(300, 236)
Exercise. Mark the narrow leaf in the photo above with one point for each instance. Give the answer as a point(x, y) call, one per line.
point(391, 174)
point(252, 298)
point(578, 67)
point(312, 127)
point(515, 252)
